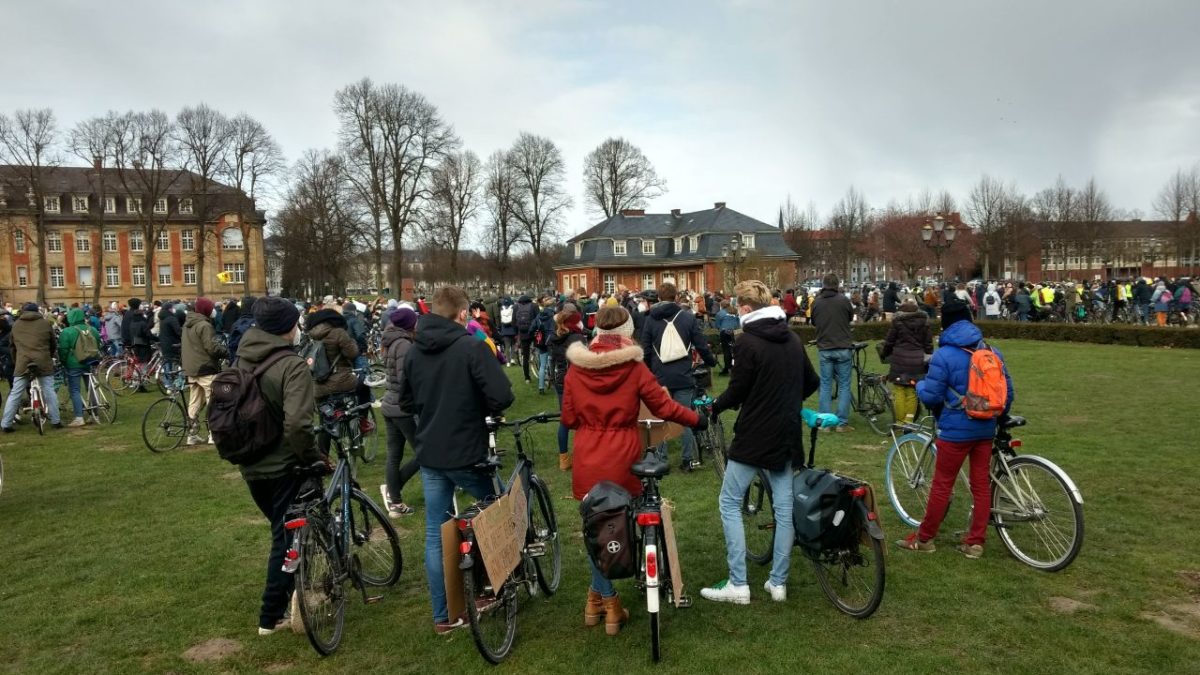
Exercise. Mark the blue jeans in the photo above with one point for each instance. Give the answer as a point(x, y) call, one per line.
point(20, 385)
point(683, 397)
point(543, 363)
point(599, 584)
point(74, 376)
point(836, 363)
point(439, 487)
point(360, 363)
point(562, 428)
point(737, 481)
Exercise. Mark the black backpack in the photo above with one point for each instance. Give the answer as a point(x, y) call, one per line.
point(524, 315)
point(607, 511)
point(241, 423)
point(317, 358)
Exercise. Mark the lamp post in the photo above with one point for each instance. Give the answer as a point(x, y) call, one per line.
point(939, 236)
point(734, 254)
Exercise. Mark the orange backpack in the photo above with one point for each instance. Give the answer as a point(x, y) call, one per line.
point(987, 390)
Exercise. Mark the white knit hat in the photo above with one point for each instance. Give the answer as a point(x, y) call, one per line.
point(624, 330)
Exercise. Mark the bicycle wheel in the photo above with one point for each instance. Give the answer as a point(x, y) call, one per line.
point(322, 598)
point(1036, 514)
point(164, 425)
point(852, 576)
point(534, 367)
point(376, 544)
point(882, 410)
point(758, 521)
point(493, 616)
point(102, 402)
point(543, 532)
point(62, 391)
point(376, 380)
point(716, 445)
point(909, 472)
point(38, 414)
point(1, 475)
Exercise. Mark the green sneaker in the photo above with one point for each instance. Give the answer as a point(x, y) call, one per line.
point(911, 543)
point(724, 591)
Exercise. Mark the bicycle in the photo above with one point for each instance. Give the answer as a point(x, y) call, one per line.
point(339, 535)
point(870, 396)
point(838, 569)
point(710, 443)
point(165, 423)
point(492, 612)
point(1025, 489)
point(128, 374)
point(99, 400)
point(37, 402)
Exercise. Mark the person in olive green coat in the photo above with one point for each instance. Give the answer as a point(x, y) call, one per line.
point(33, 347)
point(76, 323)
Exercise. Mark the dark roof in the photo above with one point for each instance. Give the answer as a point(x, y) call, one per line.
point(1113, 229)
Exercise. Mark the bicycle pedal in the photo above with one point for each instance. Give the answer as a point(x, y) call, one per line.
point(685, 602)
point(536, 550)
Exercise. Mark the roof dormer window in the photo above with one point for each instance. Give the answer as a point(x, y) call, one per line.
point(647, 247)
point(618, 247)
point(578, 249)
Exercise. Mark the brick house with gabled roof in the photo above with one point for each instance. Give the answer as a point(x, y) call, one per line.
point(640, 250)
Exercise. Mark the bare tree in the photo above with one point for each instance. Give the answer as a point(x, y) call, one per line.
point(1094, 214)
point(1178, 200)
point(616, 175)
point(849, 223)
point(204, 137)
point(944, 203)
point(985, 210)
point(361, 140)
point(500, 199)
point(454, 191)
point(251, 164)
point(541, 197)
point(94, 141)
point(317, 225)
point(29, 145)
point(1057, 208)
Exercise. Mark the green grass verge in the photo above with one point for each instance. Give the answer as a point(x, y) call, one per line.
point(118, 561)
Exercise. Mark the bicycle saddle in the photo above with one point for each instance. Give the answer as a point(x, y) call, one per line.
point(650, 466)
point(492, 463)
point(1012, 422)
point(860, 345)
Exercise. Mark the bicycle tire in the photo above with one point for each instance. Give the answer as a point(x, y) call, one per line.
point(385, 553)
point(549, 571)
point(37, 414)
point(909, 476)
point(1041, 489)
point(482, 606)
point(116, 377)
point(882, 409)
point(834, 570)
point(1, 475)
point(322, 597)
point(164, 425)
point(758, 521)
point(716, 432)
point(103, 403)
point(654, 595)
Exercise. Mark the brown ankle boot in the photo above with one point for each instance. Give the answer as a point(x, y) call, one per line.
point(564, 461)
point(593, 611)
point(615, 615)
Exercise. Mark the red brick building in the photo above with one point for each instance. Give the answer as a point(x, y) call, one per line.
point(1114, 249)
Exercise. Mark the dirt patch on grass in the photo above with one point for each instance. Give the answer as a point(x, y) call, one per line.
point(212, 650)
point(112, 448)
point(1180, 618)
point(279, 667)
point(232, 475)
point(253, 521)
point(1192, 577)
point(1068, 605)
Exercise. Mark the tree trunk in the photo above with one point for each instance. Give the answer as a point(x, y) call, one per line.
point(397, 264)
point(151, 243)
point(43, 269)
point(200, 240)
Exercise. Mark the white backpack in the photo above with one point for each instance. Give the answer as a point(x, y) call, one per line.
point(672, 347)
point(506, 314)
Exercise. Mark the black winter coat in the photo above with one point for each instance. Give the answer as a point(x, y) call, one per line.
point(676, 374)
point(770, 378)
point(831, 316)
point(908, 341)
point(558, 356)
point(135, 328)
point(451, 383)
point(396, 343)
point(891, 298)
point(170, 333)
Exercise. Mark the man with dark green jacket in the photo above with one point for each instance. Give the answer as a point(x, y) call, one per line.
point(202, 354)
point(33, 347)
point(76, 324)
point(287, 387)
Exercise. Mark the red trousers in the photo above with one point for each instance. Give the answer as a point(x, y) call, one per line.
point(950, 458)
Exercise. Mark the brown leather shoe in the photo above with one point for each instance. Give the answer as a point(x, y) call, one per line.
point(593, 611)
point(615, 615)
point(564, 461)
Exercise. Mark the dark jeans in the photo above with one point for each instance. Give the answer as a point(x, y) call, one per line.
point(396, 473)
point(727, 348)
point(273, 496)
point(523, 346)
point(562, 428)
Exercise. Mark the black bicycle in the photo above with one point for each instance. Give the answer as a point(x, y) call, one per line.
point(710, 443)
point(491, 611)
point(340, 535)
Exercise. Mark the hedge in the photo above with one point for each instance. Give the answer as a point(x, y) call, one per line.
point(1101, 334)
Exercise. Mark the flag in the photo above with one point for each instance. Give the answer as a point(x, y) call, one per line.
point(225, 277)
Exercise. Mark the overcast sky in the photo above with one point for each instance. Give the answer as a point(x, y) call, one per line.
point(743, 101)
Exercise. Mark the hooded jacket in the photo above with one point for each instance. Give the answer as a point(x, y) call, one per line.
point(287, 387)
point(396, 343)
point(76, 322)
point(831, 316)
point(170, 333)
point(112, 325)
point(329, 327)
point(949, 369)
point(523, 316)
point(908, 341)
point(544, 321)
point(891, 297)
point(559, 344)
point(602, 396)
point(677, 374)
point(202, 353)
point(451, 382)
point(507, 329)
point(33, 344)
point(135, 329)
point(770, 378)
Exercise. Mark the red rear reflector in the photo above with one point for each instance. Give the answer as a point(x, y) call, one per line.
point(870, 515)
point(859, 492)
point(464, 548)
point(292, 554)
point(295, 523)
point(463, 525)
point(645, 519)
point(651, 565)
point(1016, 443)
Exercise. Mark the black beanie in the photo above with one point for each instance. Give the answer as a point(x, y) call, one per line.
point(953, 312)
point(134, 303)
point(275, 315)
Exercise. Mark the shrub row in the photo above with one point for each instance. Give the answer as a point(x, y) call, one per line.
point(1111, 334)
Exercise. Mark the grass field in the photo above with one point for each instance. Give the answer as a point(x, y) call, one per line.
point(119, 561)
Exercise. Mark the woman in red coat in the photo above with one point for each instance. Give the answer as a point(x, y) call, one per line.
point(602, 395)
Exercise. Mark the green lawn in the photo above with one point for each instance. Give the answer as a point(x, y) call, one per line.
point(116, 560)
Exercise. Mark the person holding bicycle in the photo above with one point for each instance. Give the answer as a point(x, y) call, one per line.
point(451, 383)
point(960, 437)
point(69, 353)
point(770, 379)
point(832, 314)
point(602, 393)
point(202, 353)
point(33, 346)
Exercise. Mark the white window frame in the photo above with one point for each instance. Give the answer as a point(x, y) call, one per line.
point(79, 203)
point(164, 241)
point(108, 241)
point(112, 276)
point(238, 271)
point(54, 242)
point(51, 204)
point(652, 246)
point(164, 279)
point(240, 244)
point(648, 281)
point(187, 240)
point(185, 206)
point(160, 206)
point(19, 241)
point(138, 271)
point(695, 243)
point(22, 276)
point(133, 204)
point(61, 274)
point(748, 241)
point(619, 247)
point(189, 274)
point(110, 204)
point(678, 245)
point(137, 241)
point(610, 283)
point(83, 241)
point(79, 275)
point(578, 249)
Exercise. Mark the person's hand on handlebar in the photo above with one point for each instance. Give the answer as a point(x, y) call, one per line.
point(702, 421)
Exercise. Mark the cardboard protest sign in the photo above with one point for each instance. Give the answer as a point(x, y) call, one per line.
point(500, 533)
point(660, 431)
point(451, 538)
point(668, 509)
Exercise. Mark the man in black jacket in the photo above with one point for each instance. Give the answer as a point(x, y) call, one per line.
point(676, 373)
point(135, 331)
point(523, 315)
point(891, 298)
point(831, 316)
point(451, 383)
point(770, 379)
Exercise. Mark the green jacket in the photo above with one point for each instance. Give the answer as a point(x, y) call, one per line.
point(76, 321)
point(288, 388)
point(201, 351)
point(33, 344)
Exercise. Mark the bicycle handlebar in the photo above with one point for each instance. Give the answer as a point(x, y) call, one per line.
point(539, 418)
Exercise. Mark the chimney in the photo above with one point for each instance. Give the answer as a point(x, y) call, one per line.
point(675, 212)
point(633, 212)
point(96, 162)
point(719, 205)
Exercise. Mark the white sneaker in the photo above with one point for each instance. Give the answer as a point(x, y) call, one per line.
point(282, 623)
point(778, 593)
point(387, 503)
point(724, 591)
point(194, 440)
point(210, 440)
point(77, 422)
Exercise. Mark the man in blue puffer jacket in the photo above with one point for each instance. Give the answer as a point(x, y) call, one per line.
point(959, 437)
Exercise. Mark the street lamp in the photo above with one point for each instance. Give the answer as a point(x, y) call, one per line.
point(939, 236)
point(734, 254)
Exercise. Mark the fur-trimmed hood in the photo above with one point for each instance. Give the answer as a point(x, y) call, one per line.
point(603, 354)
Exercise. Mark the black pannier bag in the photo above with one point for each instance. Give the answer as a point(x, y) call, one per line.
point(607, 511)
point(821, 509)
